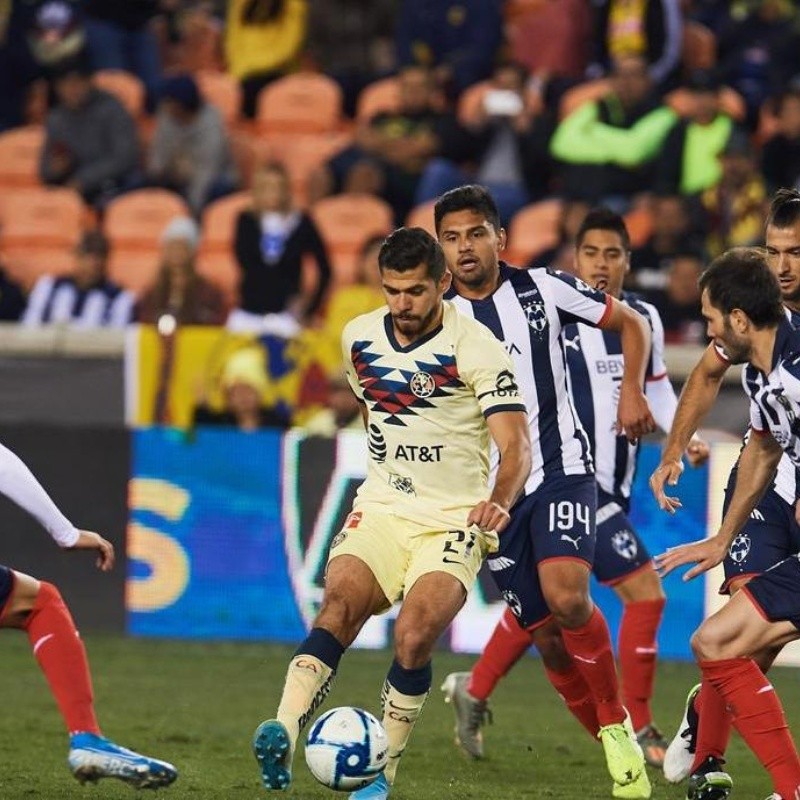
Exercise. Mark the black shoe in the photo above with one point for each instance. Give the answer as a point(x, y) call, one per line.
point(709, 782)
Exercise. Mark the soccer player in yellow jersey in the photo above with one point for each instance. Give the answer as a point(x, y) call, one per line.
point(435, 387)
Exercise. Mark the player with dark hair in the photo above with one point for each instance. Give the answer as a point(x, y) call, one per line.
point(435, 388)
point(37, 608)
point(742, 305)
point(770, 535)
point(546, 554)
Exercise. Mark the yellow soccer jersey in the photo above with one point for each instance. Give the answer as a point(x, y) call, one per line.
point(426, 430)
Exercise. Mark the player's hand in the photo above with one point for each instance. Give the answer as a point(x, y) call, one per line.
point(797, 512)
point(667, 473)
point(489, 516)
point(634, 418)
point(704, 555)
point(89, 540)
point(697, 452)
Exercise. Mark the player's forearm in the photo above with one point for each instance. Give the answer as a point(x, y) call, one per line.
point(757, 465)
point(18, 483)
point(698, 395)
point(515, 466)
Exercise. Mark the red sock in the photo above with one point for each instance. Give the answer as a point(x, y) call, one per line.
point(637, 651)
point(506, 646)
point(575, 693)
point(714, 726)
point(758, 717)
point(62, 658)
point(590, 648)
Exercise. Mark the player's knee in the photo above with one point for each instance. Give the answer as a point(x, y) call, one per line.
point(571, 607)
point(413, 644)
point(707, 644)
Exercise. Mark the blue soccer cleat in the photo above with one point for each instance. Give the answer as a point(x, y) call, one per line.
point(273, 751)
point(93, 757)
point(377, 790)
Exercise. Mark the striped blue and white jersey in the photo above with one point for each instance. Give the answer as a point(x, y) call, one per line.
point(528, 312)
point(594, 359)
point(775, 396)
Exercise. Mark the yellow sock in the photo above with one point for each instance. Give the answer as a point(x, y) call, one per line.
point(308, 681)
point(400, 713)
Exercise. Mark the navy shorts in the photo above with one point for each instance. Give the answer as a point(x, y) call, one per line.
point(770, 536)
point(555, 521)
point(6, 585)
point(619, 551)
point(777, 592)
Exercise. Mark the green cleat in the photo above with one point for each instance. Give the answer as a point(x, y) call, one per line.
point(640, 789)
point(624, 756)
point(471, 714)
point(273, 751)
point(709, 782)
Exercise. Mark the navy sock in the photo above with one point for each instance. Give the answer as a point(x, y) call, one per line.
point(412, 682)
point(323, 645)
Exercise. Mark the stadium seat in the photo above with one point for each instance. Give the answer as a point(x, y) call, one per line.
point(699, 46)
point(582, 93)
point(245, 153)
point(135, 270)
point(302, 155)
point(39, 228)
point(221, 269)
point(127, 88)
point(533, 229)
point(136, 220)
point(421, 216)
point(20, 149)
point(345, 222)
point(222, 91)
point(302, 103)
point(219, 221)
point(377, 97)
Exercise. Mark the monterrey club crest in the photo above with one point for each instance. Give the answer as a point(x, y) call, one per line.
point(536, 316)
point(422, 384)
point(740, 548)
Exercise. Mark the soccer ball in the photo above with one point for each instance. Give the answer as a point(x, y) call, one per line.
point(346, 749)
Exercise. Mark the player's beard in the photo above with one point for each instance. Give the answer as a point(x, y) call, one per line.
point(736, 349)
point(792, 297)
point(415, 326)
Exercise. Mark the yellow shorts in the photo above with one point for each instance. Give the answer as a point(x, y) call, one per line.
point(399, 551)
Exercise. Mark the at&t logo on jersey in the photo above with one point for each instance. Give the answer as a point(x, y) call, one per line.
point(376, 443)
point(422, 384)
point(415, 452)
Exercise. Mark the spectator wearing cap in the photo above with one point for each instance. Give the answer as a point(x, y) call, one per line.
point(780, 161)
point(689, 161)
point(190, 153)
point(735, 207)
point(244, 384)
point(84, 299)
point(90, 139)
point(179, 292)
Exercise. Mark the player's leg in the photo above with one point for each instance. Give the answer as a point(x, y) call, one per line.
point(722, 646)
point(38, 608)
point(363, 576)
point(622, 561)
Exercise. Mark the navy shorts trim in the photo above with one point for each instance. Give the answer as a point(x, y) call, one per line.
point(776, 592)
point(6, 585)
point(556, 521)
point(619, 551)
point(770, 535)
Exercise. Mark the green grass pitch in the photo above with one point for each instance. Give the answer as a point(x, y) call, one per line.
point(196, 705)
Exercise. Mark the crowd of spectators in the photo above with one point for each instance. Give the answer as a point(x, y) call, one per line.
point(683, 115)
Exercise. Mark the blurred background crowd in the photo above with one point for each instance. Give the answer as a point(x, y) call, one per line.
point(236, 164)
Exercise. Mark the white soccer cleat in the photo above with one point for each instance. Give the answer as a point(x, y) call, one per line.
point(679, 757)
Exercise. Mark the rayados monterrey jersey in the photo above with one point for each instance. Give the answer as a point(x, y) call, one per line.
point(775, 397)
point(427, 435)
point(528, 312)
point(594, 359)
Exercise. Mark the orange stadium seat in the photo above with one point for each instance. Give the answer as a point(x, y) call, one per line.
point(222, 91)
point(533, 229)
point(699, 46)
point(38, 230)
point(20, 149)
point(221, 269)
point(345, 222)
point(135, 270)
point(582, 93)
point(136, 220)
point(127, 88)
point(377, 97)
point(219, 221)
point(421, 216)
point(302, 103)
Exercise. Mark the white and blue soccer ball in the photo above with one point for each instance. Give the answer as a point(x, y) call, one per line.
point(346, 749)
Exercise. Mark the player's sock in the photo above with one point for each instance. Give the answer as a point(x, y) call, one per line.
point(758, 717)
point(590, 648)
point(637, 651)
point(404, 693)
point(574, 691)
point(506, 646)
point(308, 680)
point(713, 726)
point(62, 657)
